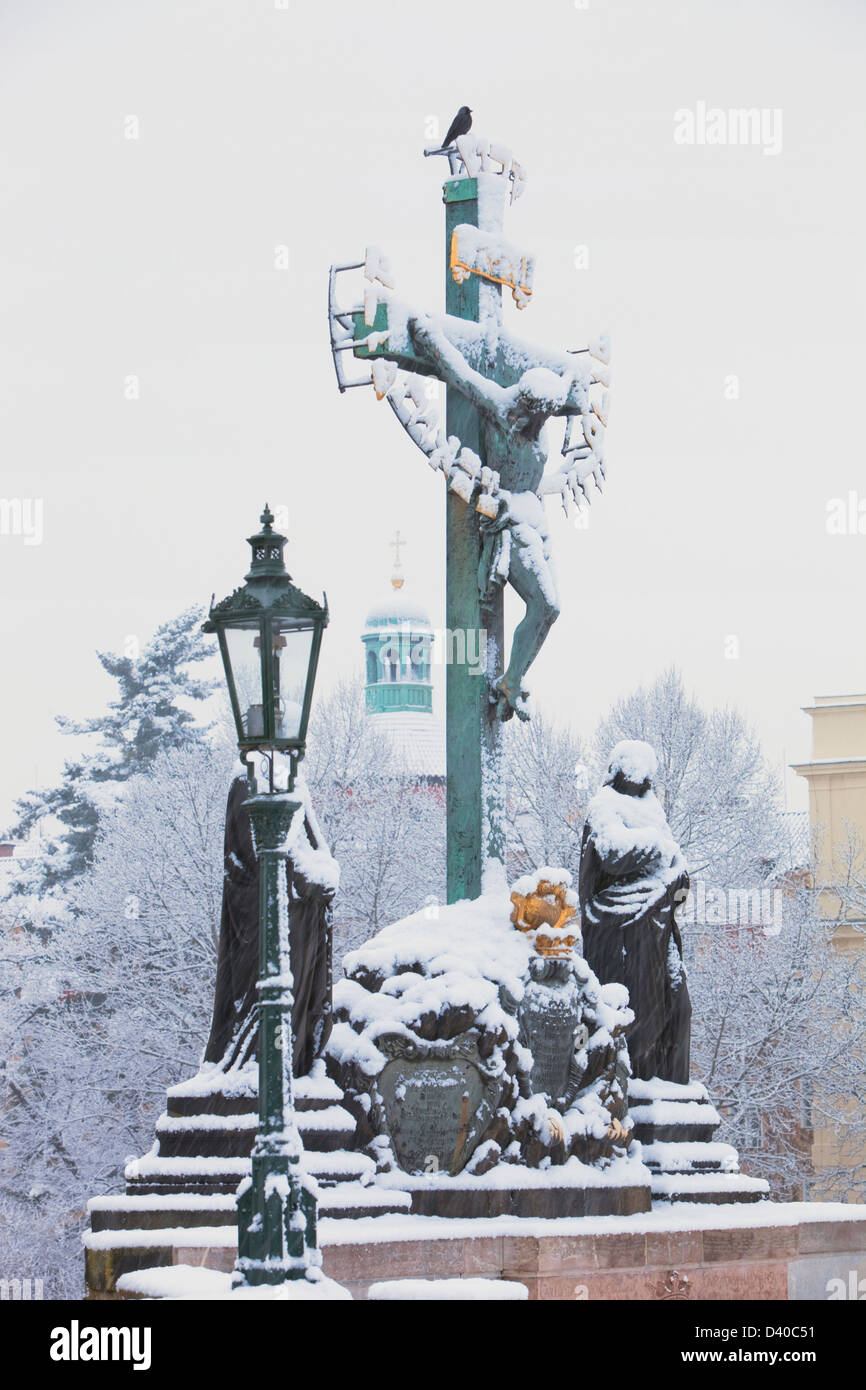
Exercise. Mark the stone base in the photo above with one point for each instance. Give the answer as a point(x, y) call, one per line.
point(770, 1251)
point(571, 1190)
point(546, 1203)
point(143, 1232)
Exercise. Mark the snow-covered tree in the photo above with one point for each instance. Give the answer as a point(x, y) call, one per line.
point(100, 1014)
point(150, 714)
point(345, 751)
point(385, 827)
point(719, 796)
point(779, 1038)
point(548, 791)
point(843, 872)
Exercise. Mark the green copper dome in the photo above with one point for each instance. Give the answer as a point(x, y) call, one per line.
point(398, 640)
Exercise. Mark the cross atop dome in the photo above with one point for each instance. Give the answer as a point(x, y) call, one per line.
point(397, 577)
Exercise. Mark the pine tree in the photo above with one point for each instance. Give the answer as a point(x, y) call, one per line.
point(146, 718)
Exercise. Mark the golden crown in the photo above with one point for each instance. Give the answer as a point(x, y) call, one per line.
point(546, 906)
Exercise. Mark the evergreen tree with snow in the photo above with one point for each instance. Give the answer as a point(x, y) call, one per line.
point(148, 717)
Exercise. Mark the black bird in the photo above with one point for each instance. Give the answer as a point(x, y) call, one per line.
point(461, 125)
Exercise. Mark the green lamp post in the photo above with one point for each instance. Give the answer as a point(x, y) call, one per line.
point(269, 634)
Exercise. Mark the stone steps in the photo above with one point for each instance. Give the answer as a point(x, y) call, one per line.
point(185, 1100)
point(329, 1168)
point(183, 1191)
point(155, 1175)
point(351, 1200)
point(154, 1213)
point(708, 1187)
point(675, 1125)
point(171, 1211)
point(327, 1131)
point(665, 1113)
point(675, 1122)
point(159, 1176)
point(662, 1157)
point(209, 1135)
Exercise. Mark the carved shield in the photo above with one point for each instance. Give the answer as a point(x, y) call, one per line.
point(437, 1100)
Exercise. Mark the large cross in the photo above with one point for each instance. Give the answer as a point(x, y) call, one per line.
point(500, 391)
point(475, 788)
point(475, 798)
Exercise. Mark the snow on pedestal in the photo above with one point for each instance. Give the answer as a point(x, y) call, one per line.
point(430, 1048)
point(453, 1290)
point(185, 1282)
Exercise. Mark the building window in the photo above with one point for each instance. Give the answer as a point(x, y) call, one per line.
point(751, 1131)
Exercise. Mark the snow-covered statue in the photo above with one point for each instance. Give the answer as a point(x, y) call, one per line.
point(515, 547)
point(483, 1041)
point(311, 875)
point(632, 879)
point(513, 389)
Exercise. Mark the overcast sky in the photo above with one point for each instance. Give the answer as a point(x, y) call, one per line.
point(262, 125)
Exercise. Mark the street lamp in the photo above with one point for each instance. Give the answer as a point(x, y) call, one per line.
point(269, 634)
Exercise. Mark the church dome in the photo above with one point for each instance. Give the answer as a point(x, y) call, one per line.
point(397, 608)
point(398, 649)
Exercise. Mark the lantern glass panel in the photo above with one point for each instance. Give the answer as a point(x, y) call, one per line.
point(292, 647)
point(244, 651)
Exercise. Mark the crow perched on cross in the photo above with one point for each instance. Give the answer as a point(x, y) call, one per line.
point(461, 125)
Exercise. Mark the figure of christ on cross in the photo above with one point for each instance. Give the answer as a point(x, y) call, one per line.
point(515, 544)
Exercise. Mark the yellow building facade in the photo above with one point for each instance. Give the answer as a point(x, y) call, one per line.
point(836, 775)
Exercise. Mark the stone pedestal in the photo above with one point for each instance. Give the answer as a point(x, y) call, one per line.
point(483, 1047)
point(774, 1252)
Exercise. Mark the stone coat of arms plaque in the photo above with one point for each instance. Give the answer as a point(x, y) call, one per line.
point(437, 1100)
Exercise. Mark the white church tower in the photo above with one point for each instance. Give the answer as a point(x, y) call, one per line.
point(398, 652)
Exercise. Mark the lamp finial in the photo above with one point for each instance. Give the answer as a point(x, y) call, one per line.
point(267, 546)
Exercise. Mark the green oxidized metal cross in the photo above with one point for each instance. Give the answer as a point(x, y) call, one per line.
point(500, 394)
